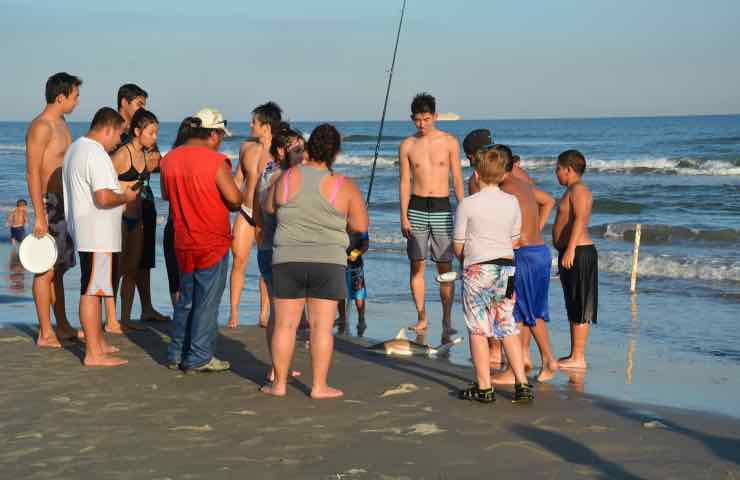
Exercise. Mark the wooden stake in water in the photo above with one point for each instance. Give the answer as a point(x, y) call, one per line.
point(635, 256)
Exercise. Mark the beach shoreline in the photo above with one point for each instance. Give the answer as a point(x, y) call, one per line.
point(399, 419)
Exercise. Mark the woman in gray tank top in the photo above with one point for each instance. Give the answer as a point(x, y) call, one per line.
point(314, 208)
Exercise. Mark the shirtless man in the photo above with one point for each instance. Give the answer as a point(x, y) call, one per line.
point(254, 157)
point(47, 140)
point(532, 261)
point(426, 161)
point(578, 259)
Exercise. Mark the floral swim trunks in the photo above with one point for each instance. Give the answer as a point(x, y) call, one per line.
point(488, 311)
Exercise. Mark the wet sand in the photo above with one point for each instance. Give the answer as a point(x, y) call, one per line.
point(398, 420)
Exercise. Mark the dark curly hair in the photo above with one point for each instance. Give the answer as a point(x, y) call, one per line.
point(141, 119)
point(283, 138)
point(423, 103)
point(324, 144)
point(269, 113)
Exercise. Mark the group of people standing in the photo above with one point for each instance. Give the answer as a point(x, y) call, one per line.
point(310, 225)
point(496, 235)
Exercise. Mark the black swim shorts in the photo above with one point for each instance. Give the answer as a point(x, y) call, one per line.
point(581, 285)
point(309, 280)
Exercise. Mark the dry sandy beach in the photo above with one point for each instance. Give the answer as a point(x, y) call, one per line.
point(399, 420)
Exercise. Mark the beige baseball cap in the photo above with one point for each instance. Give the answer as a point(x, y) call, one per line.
point(212, 118)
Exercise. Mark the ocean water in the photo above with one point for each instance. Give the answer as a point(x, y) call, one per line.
point(675, 343)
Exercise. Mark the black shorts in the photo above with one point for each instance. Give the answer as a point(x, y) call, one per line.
point(309, 280)
point(149, 223)
point(581, 285)
point(99, 273)
point(170, 260)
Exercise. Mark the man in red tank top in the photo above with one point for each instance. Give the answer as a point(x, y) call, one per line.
point(196, 180)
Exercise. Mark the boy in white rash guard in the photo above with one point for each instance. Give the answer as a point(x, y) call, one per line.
point(482, 241)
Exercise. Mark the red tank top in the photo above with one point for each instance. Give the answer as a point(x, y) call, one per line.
point(199, 217)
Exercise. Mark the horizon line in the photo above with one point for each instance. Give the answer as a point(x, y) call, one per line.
point(464, 119)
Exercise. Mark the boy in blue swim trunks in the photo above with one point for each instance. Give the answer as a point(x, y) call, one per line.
point(17, 221)
point(358, 245)
point(533, 262)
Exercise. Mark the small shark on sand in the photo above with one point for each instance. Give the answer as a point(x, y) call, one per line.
point(405, 347)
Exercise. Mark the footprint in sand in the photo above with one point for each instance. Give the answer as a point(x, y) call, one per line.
point(402, 389)
point(243, 412)
point(192, 428)
point(371, 416)
point(425, 429)
point(14, 339)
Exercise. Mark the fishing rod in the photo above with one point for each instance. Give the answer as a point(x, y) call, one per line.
point(385, 105)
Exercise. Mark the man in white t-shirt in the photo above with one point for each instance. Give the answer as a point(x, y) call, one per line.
point(93, 206)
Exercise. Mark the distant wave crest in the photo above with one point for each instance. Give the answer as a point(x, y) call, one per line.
point(670, 166)
point(711, 269)
point(659, 233)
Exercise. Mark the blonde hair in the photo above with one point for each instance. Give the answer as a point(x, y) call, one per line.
point(490, 164)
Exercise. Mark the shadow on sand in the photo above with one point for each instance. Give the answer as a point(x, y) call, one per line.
point(726, 448)
point(572, 451)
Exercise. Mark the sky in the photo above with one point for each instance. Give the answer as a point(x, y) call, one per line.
point(328, 59)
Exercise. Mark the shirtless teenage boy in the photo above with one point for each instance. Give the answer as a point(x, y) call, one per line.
point(47, 140)
point(533, 263)
point(578, 259)
point(254, 157)
point(427, 159)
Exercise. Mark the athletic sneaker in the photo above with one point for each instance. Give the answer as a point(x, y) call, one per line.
point(523, 393)
point(214, 365)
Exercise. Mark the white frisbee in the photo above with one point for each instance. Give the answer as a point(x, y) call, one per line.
point(38, 255)
point(447, 277)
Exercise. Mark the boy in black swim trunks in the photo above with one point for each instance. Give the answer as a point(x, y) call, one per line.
point(427, 159)
point(578, 259)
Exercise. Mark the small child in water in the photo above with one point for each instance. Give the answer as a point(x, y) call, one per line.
point(358, 245)
point(17, 221)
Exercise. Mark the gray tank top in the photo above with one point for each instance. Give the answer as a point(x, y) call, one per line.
point(309, 228)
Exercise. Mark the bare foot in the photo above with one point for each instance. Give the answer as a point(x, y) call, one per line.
point(116, 328)
point(264, 317)
point(234, 322)
point(109, 349)
point(325, 393)
point(342, 328)
point(448, 332)
point(504, 378)
point(271, 375)
point(104, 361)
point(421, 323)
point(361, 327)
point(153, 316)
point(48, 342)
point(130, 326)
point(272, 389)
point(418, 327)
point(547, 372)
point(571, 363)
